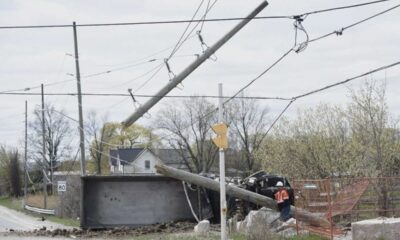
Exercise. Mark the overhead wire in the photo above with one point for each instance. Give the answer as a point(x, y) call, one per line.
point(290, 17)
point(350, 26)
point(147, 95)
point(294, 98)
point(189, 20)
point(343, 7)
point(118, 69)
point(307, 41)
point(184, 32)
point(340, 32)
point(275, 63)
point(182, 40)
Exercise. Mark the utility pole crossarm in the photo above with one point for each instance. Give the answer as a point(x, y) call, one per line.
point(193, 66)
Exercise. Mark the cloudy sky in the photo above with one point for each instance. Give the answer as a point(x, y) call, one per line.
point(30, 57)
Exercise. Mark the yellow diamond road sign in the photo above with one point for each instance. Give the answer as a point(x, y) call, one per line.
point(221, 130)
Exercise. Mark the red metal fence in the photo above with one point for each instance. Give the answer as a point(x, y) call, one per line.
point(346, 200)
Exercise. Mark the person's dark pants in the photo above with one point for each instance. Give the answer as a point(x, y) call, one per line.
point(285, 213)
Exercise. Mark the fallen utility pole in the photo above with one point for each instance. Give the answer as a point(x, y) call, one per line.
point(193, 66)
point(301, 214)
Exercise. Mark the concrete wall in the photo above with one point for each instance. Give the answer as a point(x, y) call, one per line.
point(376, 229)
point(114, 201)
point(69, 201)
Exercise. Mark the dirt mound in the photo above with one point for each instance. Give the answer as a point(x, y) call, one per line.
point(172, 227)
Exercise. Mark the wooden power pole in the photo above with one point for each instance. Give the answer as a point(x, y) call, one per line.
point(26, 152)
point(78, 80)
point(44, 154)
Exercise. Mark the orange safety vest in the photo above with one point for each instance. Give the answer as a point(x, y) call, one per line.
point(281, 196)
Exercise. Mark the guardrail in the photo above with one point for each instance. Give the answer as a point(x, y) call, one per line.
point(40, 210)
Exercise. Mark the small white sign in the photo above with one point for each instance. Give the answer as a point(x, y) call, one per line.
point(61, 186)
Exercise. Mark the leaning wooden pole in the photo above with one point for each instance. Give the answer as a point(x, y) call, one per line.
point(189, 69)
point(301, 214)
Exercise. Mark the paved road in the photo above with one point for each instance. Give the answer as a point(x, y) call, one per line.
point(11, 219)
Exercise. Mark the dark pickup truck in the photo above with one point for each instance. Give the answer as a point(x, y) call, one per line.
point(261, 183)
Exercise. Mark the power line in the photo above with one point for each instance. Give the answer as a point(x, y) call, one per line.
point(340, 32)
point(252, 81)
point(119, 68)
point(184, 32)
point(260, 75)
point(35, 87)
point(187, 21)
point(346, 81)
point(326, 88)
point(195, 26)
point(147, 95)
point(343, 7)
point(305, 44)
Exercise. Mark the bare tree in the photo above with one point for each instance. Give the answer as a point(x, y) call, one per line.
point(189, 123)
point(57, 137)
point(248, 129)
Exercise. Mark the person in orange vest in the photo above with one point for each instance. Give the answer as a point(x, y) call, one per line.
point(282, 199)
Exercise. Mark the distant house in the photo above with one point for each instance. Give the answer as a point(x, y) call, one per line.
point(143, 160)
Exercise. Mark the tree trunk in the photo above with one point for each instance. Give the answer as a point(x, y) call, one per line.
point(234, 191)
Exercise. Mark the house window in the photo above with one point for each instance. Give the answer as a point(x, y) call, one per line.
point(147, 164)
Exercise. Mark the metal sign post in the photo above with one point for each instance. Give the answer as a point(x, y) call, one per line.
point(222, 170)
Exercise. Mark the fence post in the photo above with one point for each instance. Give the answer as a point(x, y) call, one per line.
point(328, 189)
point(295, 187)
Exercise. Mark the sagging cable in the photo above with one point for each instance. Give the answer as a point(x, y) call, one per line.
point(188, 201)
point(298, 25)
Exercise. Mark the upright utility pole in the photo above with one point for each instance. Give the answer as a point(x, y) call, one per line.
point(222, 169)
point(187, 71)
point(26, 152)
point(78, 80)
point(44, 154)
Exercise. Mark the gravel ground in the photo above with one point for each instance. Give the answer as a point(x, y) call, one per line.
point(116, 233)
point(18, 221)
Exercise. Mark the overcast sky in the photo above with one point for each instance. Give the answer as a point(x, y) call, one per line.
point(30, 57)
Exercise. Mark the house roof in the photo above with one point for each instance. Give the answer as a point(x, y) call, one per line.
point(129, 155)
point(126, 155)
point(169, 156)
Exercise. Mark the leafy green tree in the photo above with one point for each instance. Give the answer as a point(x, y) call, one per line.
point(10, 171)
point(108, 135)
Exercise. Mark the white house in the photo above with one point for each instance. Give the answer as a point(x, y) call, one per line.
point(143, 160)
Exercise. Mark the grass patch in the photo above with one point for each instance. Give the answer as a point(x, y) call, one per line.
point(305, 237)
point(16, 204)
point(187, 236)
point(11, 203)
point(65, 221)
point(216, 236)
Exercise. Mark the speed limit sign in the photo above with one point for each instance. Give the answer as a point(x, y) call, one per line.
point(61, 186)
